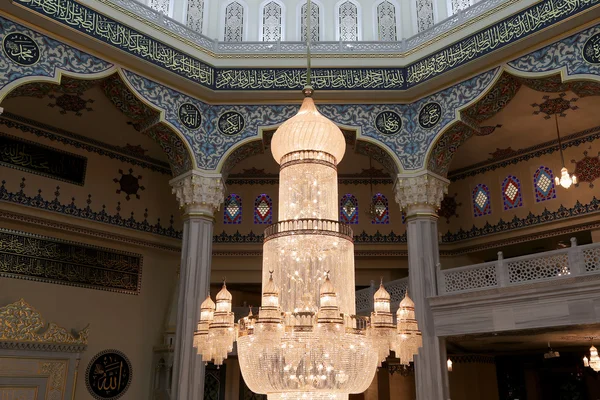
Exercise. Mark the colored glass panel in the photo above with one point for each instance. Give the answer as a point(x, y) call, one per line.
point(232, 212)
point(380, 208)
point(543, 183)
point(481, 201)
point(263, 210)
point(511, 193)
point(349, 209)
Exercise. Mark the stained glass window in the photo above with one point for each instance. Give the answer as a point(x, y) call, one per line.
point(348, 21)
point(481, 201)
point(271, 22)
point(234, 22)
point(424, 14)
point(386, 21)
point(263, 210)
point(232, 212)
point(349, 209)
point(511, 193)
point(380, 207)
point(195, 15)
point(543, 182)
point(314, 22)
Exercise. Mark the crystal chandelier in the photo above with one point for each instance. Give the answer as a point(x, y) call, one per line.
point(306, 341)
point(565, 180)
point(594, 360)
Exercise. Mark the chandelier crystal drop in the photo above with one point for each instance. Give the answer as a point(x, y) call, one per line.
point(566, 179)
point(306, 341)
point(594, 360)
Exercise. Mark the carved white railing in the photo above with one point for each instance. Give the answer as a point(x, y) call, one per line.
point(364, 297)
point(146, 14)
point(548, 266)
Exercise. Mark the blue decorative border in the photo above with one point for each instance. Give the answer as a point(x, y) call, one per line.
point(78, 141)
point(516, 27)
point(86, 213)
point(517, 223)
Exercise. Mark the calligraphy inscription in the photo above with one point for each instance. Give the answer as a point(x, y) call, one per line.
point(515, 27)
point(21, 49)
point(46, 161)
point(322, 78)
point(231, 123)
point(82, 18)
point(86, 20)
point(591, 49)
point(44, 259)
point(430, 115)
point(108, 375)
point(189, 115)
point(388, 122)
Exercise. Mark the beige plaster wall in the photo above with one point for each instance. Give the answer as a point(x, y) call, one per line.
point(101, 171)
point(132, 324)
point(524, 171)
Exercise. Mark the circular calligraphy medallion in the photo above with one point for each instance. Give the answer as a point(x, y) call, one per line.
point(189, 115)
point(388, 122)
point(231, 123)
point(108, 375)
point(430, 115)
point(591, 49)
point(21, 49)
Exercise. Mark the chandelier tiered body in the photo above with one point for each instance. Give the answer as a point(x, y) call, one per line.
point(306, 342)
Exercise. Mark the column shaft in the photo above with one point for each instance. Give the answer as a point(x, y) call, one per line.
point(423, 256)
point(199, 195)
point(420, 195)
point(194, 284)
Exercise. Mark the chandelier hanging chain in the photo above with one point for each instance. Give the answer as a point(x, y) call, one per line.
point(306, 341)
point(562, 157)
point(308, 37)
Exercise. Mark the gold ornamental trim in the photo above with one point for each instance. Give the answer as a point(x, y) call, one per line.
point(22, 326)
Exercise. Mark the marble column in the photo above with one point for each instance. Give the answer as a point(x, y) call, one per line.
point(199, 195)
point(420, 195)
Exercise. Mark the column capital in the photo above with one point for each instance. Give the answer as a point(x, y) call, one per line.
point(420, 192)
point(199, 193)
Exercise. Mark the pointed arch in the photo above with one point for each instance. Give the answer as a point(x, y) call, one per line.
point(511, 193)
point(316, 22)
point(234, 17)
point(481, 200)
point(348, 21)
point(349, 209)
point(386, 20)
point(144, 116)
point(381, 209)
point(543, 184)
point(272, 21)
point(232, 209)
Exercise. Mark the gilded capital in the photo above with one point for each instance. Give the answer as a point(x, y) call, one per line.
point(199, 192)
point(424, 191)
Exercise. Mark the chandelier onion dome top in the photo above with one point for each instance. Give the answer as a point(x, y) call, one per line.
point(382, 294)
point(308, 130)
point(327, 288)
point(224, 294)
point(270, 287)
point(207, 305)
point(406, 303)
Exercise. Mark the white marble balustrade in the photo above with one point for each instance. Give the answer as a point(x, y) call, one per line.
point(539, 267)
